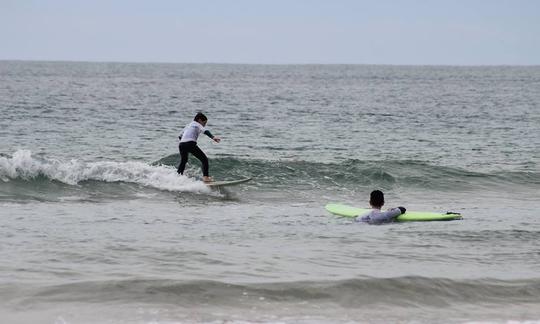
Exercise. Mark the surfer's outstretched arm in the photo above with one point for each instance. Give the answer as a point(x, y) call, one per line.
point(214, 138)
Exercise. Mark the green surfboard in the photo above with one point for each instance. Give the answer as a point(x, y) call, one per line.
point(409, 216)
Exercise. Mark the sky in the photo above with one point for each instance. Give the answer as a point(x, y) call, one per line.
point(400, 32)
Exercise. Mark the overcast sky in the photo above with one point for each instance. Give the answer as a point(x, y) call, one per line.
point(450, 32)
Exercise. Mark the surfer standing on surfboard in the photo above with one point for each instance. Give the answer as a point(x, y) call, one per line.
point(188, 144)
point(376, 216)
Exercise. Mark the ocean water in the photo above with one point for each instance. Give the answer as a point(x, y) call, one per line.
point(97, 227)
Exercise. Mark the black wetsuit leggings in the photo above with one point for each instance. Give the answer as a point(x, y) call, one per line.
point(191, 147)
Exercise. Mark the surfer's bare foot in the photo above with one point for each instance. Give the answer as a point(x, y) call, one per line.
point(207, 179)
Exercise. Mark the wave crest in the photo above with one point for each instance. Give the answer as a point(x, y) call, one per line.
point(22, 165)
point(363, 173)
point(401, 291)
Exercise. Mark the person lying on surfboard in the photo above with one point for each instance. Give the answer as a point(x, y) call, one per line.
point(188, 144)
point(376, 216)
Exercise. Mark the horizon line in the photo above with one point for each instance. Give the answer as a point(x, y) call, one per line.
point(272, 64)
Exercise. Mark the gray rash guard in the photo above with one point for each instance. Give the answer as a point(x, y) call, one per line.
point(376, 216)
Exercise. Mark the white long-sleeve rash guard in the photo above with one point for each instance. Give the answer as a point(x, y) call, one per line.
point(376, 216)
point(192, 131)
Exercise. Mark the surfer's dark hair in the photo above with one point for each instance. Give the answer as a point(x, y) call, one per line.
point(200, 116)
point(376, 199)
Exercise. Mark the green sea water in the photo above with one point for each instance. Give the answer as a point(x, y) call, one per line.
point(96, 226)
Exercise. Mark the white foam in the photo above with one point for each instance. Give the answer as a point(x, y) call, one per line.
point(22, 165)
